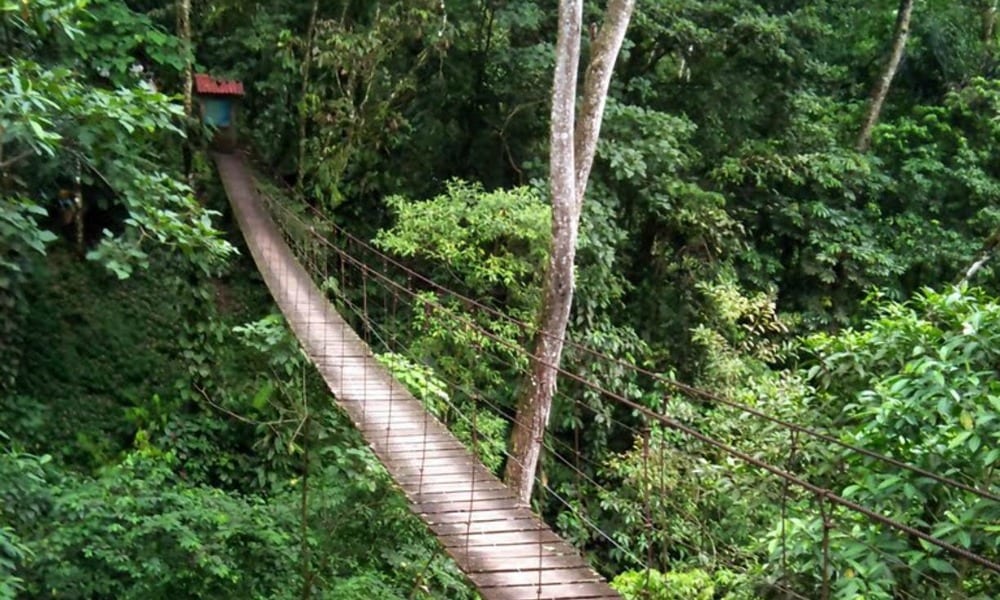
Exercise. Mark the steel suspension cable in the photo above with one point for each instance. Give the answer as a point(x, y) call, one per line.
point(790, 477)
point(691, 432)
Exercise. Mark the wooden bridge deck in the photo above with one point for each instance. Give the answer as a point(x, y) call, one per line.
point(507, 552)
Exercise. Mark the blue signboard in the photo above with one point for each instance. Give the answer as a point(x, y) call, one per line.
point(219, 111)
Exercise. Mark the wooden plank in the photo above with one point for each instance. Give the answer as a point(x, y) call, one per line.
point(433, 464)
point(401, 428)
point(464, 488)
point(375, 406)
point(415, 464)
point(394, 406)
point(429, 505)
point(459, 474)
point(442, 454)
point(408, 477)
point(588, 591)
point(478, 515)
point(502, 538)
point(462, 554)
point(431, 459)
point(436, 447)
point(492, 564)
point(379, 413)
point(437, 461)
point(412, 479)
point(478, 527)
point(394, 454)
point(396, 439)
point(536, 577)
point(465, 494)
point(385, 434)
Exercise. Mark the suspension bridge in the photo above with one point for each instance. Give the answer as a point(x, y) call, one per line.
point(506, 551)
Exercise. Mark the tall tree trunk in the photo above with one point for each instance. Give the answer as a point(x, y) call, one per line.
point(536, 399)
point(303, 112)
point(572, 147)
point(184, 30)
point(884, 82)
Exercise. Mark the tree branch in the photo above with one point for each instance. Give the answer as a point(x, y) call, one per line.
point(603, 54)
point(988, 251)
point(15, 159)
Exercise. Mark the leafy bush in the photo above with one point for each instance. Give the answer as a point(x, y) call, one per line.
point(138, 532)
point(918, 383)
point(675, 585)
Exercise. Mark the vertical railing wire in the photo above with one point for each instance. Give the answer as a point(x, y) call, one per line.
point(827, 525)
point(784, 505)
point(647, 510)
point(472, 464)
point(425, 419)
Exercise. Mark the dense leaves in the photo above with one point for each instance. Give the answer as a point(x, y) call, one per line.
point(77, 114)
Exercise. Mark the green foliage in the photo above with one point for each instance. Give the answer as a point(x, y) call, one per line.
point(920, 379)
point(487, 245)
point(701, 512)
point(740, 333)
point(20, 238)
point(117, 40)
point(726, 210)
point(136, 532)
point(914, 383)
point(694, 584)
point(211, 491)
point(12, 552)
point(19, 472)
point(77, 318)
point(492, 242)
point(675, 585)
point(60, 119)
point(365, 63)
point(20, 235)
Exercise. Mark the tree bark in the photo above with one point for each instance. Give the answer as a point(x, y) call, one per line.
point(533, 408)
point(884, 82)
point(572, 147)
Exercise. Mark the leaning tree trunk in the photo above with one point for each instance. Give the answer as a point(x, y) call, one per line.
point(884, 82)
point(184, 30)
point(989, 21)
point(572, 147)
point(603, 54)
